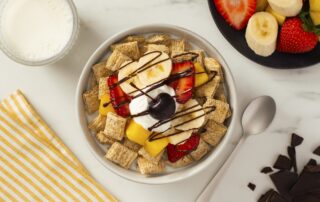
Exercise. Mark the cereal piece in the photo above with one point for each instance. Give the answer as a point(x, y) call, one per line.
point(98, 123)
point(103, 139)
point(184, 161)
point(177, 46)
point(212, 65)
point(92, 82)
point(201, 100)
point(201, 150)
point(103, 87)
point(221, 94)
point(137, 38)
point(156, 47)
point(115, 60)
point(159, 39)
point(214, 132)
point(147, 167)
point(121, 155)
point(130, 49)
point(200, 58)
point(150, 158)
point(229, 114)
point(100, 70)
point(91, 101)
point(131, 145)
point(115, 126)
point(219, 115)
point(209, 89)
point(143, 48)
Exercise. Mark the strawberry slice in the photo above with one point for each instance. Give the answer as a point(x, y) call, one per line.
point(184, 85)
point(176, 152)
point(190, 144)
point(173, 154)
point(236, 12)
point(119, 100)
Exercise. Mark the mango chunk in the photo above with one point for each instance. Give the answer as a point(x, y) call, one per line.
point(201, 76)
point(136, 133)
point(314, 5)
point(315, 16)
point(280, 18)
point(105, 105)
point(155, 147)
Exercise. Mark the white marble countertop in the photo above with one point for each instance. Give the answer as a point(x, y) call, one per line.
point(51, 90)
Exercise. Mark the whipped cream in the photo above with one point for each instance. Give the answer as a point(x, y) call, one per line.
point(141, 104)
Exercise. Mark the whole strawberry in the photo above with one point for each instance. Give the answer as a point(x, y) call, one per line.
point(294, 37)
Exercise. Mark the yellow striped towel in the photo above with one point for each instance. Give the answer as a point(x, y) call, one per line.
point(35, 165)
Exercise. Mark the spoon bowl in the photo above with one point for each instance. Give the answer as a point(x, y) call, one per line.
point(258, 115)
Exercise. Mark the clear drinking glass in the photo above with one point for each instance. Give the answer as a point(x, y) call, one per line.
point(54, 58)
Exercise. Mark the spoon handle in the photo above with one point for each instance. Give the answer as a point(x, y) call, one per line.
point(207, 192)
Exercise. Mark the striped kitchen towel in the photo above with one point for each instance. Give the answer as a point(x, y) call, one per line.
point(35, 165)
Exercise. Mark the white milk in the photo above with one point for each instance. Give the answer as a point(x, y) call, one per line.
point(35, 30)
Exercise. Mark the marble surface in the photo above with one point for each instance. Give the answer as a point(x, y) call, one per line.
point(52, 91)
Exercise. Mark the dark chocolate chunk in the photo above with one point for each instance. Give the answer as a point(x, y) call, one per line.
point(313, 169)
point(266, 170)
point(296, 140)
point(271, 196)
point(306, 198)
point(282, 163)
point(317, 151)
point(307, 182)
point(292, 155)
point(252, 186)
point(312, 162)
point(283, 181)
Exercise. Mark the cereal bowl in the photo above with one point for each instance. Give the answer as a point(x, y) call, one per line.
point(213, 160)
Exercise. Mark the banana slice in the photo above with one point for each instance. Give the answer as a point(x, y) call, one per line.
point(176, 139)
point(261, 33)
point(128, 68)
point(158, 70)
point(188, 120)
point(287, 8)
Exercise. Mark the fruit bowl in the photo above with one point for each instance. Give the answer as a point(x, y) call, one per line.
point(277, 60)
point(214, 159)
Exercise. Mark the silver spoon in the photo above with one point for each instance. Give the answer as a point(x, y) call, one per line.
point(256, 118)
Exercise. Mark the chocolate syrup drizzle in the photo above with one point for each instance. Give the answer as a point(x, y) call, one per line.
point(155, 136)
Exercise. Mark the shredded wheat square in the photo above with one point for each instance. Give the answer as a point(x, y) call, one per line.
point(91, 100)
point(147, 167)
point(214, 133)
point(115, 126)
point(121, 155)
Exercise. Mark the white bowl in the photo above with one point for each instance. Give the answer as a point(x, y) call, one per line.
point(214, 159)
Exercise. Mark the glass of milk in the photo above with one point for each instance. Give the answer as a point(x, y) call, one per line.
point(37, 32)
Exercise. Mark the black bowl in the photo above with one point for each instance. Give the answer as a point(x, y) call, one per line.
point(276, 60)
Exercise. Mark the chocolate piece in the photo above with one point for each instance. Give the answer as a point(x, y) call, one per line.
point(283, 163)
point(252, 186)
point(306, 198)
point(296, 140)
point(266, 170)
point(312, 162)
point(271, 196)
point(317, 151)
point(292, 155)
point(312, 168)
point(283, 181)
point(308, 181)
